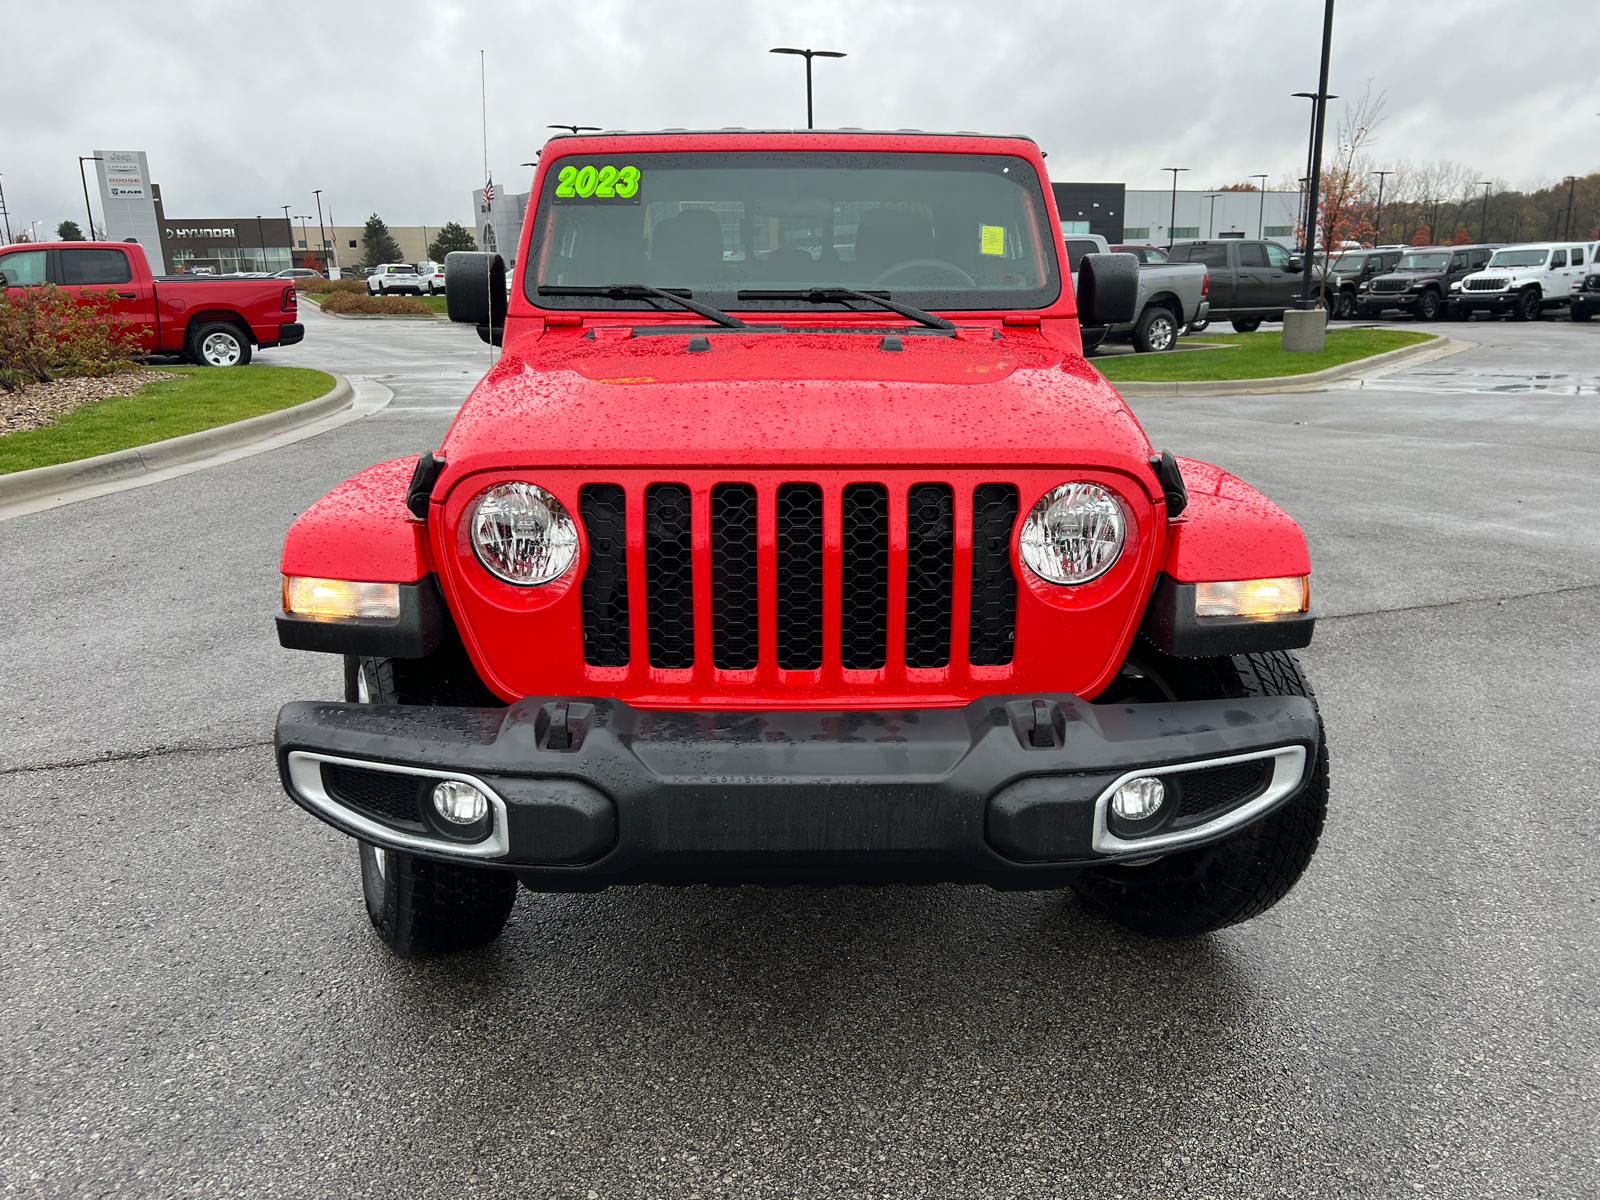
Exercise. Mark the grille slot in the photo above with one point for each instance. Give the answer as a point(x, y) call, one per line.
point(930, 568)
point(1485, 285)
point(864, 613)
point(603, 507)
point(669, 575)
point(1203, 792)
point(388, 797)
point(735, 633)
point(992, 630)
point(799, 513)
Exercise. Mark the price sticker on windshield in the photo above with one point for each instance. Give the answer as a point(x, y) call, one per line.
point(594, 184)
point(992, 239)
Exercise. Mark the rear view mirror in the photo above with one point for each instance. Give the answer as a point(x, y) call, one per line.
point(1108, 289)
point(475, 291)
point(1296, 264)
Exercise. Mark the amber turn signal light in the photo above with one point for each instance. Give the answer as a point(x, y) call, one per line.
point(1253, 597)
point(339, 599)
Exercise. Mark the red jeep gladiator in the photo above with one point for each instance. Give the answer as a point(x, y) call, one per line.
point(792, 541)
point(211, 321)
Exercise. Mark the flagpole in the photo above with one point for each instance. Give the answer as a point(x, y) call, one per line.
point(483, 93)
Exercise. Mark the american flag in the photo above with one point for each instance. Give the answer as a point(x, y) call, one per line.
point(488, 192)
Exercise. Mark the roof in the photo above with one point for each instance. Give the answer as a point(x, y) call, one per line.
point(742, 129)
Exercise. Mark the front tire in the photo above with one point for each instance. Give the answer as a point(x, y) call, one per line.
point(421, 907)
point(1580, 313)
point(1528, 306)
point(1428, 306)
point(1156, 331)
point(219, 344)
point(1190, 892)
point(1344, 307)
point(1246, 324)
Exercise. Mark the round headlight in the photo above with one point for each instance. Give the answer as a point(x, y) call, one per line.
point(523, 535)
point(1074, 534)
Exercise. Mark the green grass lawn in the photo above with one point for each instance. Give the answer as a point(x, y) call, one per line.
point(434, 302)
point(204, 398)
point(1258, 356)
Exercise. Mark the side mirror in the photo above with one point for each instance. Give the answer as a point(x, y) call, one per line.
point(1108, 289)
point(475, 291)
point(1296, 264)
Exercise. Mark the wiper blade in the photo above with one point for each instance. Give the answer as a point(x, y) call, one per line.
point(621, 291)
point(823, 295)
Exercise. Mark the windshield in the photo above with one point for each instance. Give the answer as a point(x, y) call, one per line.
point(1519, 258)
point(952, 231)
point(1349, 266)
point(1425, 262)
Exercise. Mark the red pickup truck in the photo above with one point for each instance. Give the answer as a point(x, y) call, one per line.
point(211, 322)
point(793, 540)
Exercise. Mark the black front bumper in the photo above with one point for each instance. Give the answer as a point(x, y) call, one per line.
point(1009, 790)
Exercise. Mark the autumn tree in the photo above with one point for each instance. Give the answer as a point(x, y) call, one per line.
point(1462, 237)
point(310, 263)
point(1422, 237)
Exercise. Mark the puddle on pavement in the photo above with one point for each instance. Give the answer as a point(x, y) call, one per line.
point(1554, 383)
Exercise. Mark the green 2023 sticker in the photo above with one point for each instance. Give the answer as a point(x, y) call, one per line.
point(598, 183)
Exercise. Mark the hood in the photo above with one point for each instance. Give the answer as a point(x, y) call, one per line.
point(771, 399)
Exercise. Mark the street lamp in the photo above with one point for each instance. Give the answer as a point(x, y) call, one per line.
point(322, 232)
point(261, 236)
point(808, 55)
point(1174, 215)
point(6, 213)
point(81, 179)
point(1377, 222)
point(1308, 203)
point(288, 233)
point(1211, 229)
point(1261, 225)
point(1572, 182)
point(1483, 222)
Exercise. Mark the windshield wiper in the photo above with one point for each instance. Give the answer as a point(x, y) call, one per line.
point(621, 291)
point(824, 295)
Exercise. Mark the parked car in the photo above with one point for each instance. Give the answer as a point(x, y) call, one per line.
point(1145, 254)
point(1351, 270)
point(209, 319)
point(1171, 296)
point(672, 602)
point(394, 277)
point(1422, 282)
point(299, 273)
point(1586, 297)
point(1251, 281)
point(1525, 281)
point(430, 278)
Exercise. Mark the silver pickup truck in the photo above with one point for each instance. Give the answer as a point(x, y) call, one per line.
point(1172, 296)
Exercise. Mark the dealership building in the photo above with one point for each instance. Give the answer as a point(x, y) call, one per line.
point(1156, 218)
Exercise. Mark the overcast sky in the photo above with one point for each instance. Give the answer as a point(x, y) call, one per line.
point(244, 107)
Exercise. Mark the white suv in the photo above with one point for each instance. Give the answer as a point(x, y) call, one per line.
point(1524, 280)
point(430, 278)
point(394, 277)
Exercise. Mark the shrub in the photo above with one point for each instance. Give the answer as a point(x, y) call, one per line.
point(352, 302)
point(46, 334)
point(321, 287)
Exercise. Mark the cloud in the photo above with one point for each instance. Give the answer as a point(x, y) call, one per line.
point(245, 107)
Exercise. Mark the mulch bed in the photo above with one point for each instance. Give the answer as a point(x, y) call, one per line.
point(41, 404)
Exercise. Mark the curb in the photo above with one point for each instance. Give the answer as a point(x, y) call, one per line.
point(21, 486)
point(1313, 381)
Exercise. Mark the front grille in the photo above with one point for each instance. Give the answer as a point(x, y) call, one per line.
point(1390, 285)
point(1203, 793)
point(669, 575)
point(1484, 285)
point(603, 507)
point(391, 798)
point(804, 565)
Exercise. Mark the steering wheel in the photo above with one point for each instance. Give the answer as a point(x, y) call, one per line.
point(938, 264)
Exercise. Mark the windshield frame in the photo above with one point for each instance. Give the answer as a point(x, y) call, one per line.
point(1026, 174)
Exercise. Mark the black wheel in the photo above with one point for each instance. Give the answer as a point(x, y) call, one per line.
point(1528, 306)
point(1580, 312)
point(219, 344)
point(1246, 324)
point(1428, 306)
point(421, 907)
point(1156, 331)
point(1197, 326)
point(1196, 891)
point(1344, 306)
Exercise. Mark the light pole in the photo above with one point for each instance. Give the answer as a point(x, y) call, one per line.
point(1572, 182)
point(1483, 222)
point(1306, 302)
point(322, 232)
point(334, 225)
point(1377, 222)
point(288, 232)
point(81, 179)
point(6, 213)
point(1211, 229)
point(1261, 224)
point(1174, 216)
point(808, 55)
point(261, 236)
point(1308, 204)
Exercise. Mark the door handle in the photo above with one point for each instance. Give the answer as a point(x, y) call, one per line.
point(129, 295)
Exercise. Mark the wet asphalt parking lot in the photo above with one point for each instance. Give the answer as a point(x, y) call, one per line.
point(193, 1003)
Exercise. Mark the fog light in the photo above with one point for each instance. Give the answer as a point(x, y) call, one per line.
point(459, 803)
point(1253, 597)
point(1138, 799)
point(340, 599)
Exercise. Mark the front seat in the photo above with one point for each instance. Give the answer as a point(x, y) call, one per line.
point(686, 250)
point(887, 237)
